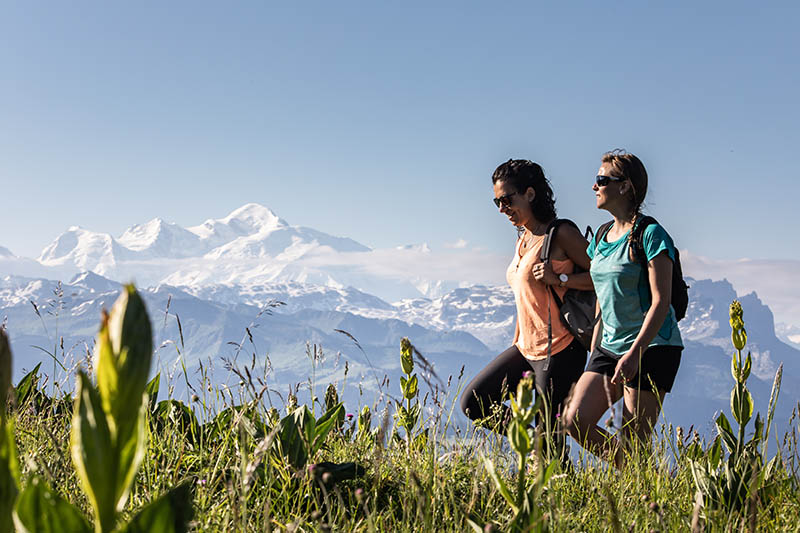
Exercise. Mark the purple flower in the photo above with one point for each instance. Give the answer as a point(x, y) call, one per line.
point(527, 374)
point(349, 416)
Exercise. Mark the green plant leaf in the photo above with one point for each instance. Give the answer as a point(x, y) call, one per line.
point(741, 404)
point(773, 400)
point(715, 453)
point(323, 426)
point(131, 450)
point(501, 486)
point(411, 387)
point(172, 413)
point(518, 437)
point(40, 510)
point(725, 431)
point(93, 452)
point(748, 364)
point(170, 513)
point(27, 385)
point(127, 329)
point(152, 391)
point(9, 474)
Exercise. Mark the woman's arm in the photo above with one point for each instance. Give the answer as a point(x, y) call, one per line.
point(569, 244)
point(598, 328)
point(659, 274)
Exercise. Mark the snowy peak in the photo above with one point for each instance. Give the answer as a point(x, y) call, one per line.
point(158, 238)
point(250, 219)
point(83, 248)
point(5, 252)
point(94, 283)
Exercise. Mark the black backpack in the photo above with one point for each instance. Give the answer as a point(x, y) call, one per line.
point(578, 307)
point(680, 290)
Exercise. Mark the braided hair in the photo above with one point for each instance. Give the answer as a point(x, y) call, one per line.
point(630, 167)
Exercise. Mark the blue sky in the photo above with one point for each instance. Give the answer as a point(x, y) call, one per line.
point(383, 123)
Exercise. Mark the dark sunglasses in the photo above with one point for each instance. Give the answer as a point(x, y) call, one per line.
point(505, 200)
point(602, 181)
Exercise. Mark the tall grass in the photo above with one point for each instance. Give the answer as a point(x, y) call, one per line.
point(252, 467)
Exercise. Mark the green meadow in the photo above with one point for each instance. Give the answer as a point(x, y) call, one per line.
point(107, 456)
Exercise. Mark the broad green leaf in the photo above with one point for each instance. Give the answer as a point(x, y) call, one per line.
point(40, 510)
point(411, 387)
point(27, 385)
point(170, 513)
point(152, 391)
point(748, 364)
point(500, 484)
point(179, 417)
point(290, 442)
point(93, 452)
point(725, 431)
point(715, 453)
point(131, 450)
point(131, 343)
point(741, 404)
point(518, 437)
point(9, 474)
point(324, 426)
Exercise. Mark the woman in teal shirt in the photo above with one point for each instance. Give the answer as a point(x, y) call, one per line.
point(637, 344)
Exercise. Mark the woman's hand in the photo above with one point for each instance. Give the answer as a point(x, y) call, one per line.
point(544, 272)
point(626, 370)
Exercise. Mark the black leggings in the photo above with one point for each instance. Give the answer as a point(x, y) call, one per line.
point(486, 389)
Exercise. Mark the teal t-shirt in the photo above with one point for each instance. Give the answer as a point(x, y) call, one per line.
point(623, 290)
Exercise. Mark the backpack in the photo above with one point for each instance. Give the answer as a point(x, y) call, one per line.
point(680, 290)
point(577, 309)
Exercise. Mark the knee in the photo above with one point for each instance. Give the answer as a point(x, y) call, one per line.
point(571, 421)
point(469, 404)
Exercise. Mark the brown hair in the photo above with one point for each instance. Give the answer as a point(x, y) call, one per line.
point(630, 167)
point(521, 174)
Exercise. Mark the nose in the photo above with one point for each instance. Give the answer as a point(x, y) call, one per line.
point(595, 187)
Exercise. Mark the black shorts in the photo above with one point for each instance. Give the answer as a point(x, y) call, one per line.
point(659, 364)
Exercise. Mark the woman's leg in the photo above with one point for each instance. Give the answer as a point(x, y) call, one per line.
point(640, 412)
point(594, 395)
point(483, 396)
point(555, 385)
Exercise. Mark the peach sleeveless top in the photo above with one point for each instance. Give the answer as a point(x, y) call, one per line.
point(533, 298)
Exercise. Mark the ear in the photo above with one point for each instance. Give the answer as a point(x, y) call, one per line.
point(530, 194)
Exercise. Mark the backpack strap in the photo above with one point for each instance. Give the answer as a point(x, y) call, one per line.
point(601, 232)
point(638, 232)
point(550, 235)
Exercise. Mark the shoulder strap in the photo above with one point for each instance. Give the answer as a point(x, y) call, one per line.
point(601, 231)
point(550, 235)
point(638, 232)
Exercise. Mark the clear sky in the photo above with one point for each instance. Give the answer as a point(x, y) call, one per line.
point(384, 122)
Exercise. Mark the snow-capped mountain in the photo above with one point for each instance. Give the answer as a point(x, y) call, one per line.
point(160, 239)
point(5, 252)
point(84, 250)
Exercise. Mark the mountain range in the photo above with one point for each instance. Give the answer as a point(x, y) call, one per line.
point(251, 290)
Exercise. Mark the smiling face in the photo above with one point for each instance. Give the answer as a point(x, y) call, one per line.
point(612, 194)
point(518, 210)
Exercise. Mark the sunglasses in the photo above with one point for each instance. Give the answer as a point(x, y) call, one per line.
point(602, 181)
point(504, 200)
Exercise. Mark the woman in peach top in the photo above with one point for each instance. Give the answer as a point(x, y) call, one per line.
point(523, 194)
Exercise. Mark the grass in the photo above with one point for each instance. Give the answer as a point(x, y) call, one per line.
point(238, 486)
point(240, 455)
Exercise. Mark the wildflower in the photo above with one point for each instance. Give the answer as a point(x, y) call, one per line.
point(528, 374)
point(349, 416)
point(360, 494)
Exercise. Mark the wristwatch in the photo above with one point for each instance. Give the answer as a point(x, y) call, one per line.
point(563, 280)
